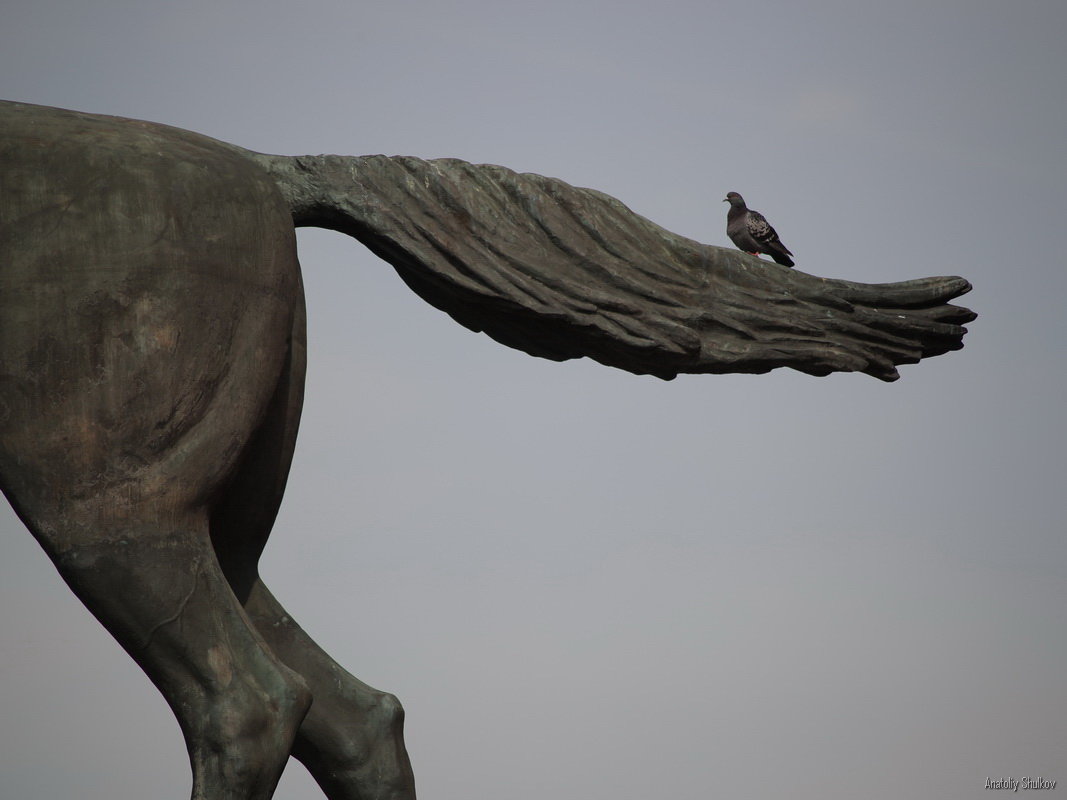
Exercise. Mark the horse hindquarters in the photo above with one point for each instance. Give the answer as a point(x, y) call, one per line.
point(148, 279)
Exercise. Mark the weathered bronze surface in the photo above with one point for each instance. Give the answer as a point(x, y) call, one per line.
point(152, 360)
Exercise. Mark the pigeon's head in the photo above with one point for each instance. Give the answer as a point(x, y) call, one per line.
point(734, 199)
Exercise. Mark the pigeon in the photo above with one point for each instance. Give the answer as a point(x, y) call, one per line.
point(751, 232)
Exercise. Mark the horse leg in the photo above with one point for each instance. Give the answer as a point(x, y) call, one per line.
point(129, 530)
point(147, 282)
point(155, 584)
point(351, 741)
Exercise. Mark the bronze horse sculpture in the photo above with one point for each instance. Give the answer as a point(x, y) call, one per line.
point(152, 358)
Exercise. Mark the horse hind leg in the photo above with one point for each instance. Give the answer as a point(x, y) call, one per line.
point(157, 587)
point(138, 554)
point(138, 551)
point(146, 300)
point(351, 741)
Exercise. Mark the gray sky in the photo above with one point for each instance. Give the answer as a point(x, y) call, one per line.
point(586, 584)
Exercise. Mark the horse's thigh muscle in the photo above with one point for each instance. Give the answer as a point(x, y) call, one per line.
point(147, 284)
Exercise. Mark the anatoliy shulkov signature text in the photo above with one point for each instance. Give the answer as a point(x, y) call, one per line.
point(1015, 784)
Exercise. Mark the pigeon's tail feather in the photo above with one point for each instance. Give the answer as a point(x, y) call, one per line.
point(780, 254)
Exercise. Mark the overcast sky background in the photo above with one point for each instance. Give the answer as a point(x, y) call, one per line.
point(586, 584)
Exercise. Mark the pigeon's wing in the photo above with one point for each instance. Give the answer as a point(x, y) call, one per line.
point(766, 238)
point(759, 229)
point(562, 272)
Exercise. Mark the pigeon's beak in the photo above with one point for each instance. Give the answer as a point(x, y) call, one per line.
point(726, 199)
